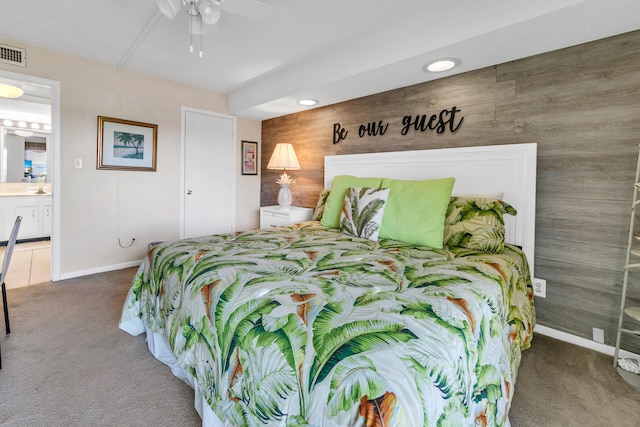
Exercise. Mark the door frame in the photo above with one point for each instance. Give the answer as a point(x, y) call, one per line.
point(183, 131)
point(55, 162)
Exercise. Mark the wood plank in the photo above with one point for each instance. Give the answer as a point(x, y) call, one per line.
point(592, 301)
point(577, 255)
point(586, 210)
point(563, 64)
point(570, 320)
point(586, 277)
point(586, 232)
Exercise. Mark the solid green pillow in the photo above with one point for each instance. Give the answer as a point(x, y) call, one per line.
point(416, 211)
point(335, 200)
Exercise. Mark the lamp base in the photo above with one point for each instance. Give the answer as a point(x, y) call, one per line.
point(284, 195)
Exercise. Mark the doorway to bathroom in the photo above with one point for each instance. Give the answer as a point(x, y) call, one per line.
point(29, 132)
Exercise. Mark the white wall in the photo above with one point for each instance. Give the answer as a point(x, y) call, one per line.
point(14, 146)
point(100, 207)
point(248, 186)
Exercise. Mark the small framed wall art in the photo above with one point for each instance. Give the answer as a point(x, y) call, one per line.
point(249, 158)
point(126, 145)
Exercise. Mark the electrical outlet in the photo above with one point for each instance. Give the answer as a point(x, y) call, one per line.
point(598, 335)
point(540, 288)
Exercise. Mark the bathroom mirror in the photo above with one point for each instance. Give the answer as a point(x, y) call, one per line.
point(25, 132)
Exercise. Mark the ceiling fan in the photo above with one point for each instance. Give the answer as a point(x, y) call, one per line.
point(209, 12)
point(204, 11)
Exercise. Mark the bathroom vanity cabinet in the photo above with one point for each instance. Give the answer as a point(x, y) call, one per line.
point(35, 211)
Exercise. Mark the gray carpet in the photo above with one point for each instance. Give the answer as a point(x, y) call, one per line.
point(66, 363)
point(561, 384)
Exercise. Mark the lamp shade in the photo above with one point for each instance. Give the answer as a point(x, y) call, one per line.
point(284, 157)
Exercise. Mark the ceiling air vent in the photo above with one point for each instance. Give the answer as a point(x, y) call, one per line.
point(13, 55)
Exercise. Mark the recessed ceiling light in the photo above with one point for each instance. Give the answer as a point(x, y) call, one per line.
point(35, 126)
point(47, 127)
point(24, 133)
point(22, 124)
point(440, 65)
point(308, 102)
point(10, 91)
point(8, 122)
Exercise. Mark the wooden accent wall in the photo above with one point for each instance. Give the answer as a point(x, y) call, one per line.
point(580, 104)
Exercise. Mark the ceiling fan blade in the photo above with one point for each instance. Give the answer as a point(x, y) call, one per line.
point(255, 9)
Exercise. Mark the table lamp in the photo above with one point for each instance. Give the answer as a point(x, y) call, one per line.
point(284, 157)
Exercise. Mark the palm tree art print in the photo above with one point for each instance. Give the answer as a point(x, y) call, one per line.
point(131, 145)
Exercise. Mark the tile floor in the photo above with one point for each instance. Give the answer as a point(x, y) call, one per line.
point(30, 264)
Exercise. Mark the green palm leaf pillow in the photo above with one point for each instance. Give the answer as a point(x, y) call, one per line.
point(362, 212)
point(335, 199)
point(476, 223)
point(322, 201)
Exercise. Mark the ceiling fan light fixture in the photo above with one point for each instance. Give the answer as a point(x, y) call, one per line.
point(214, 17)
point(10, 91)
point(209, 11)
point(169, 8)
point(199, 13)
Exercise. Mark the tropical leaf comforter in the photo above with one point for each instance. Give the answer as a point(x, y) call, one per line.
point(301, 325)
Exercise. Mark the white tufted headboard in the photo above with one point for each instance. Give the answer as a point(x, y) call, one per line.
point(510, 169)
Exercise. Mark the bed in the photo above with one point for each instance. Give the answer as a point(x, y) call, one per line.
point(315, 324)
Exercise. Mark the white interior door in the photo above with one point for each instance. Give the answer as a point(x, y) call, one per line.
point(209, 172)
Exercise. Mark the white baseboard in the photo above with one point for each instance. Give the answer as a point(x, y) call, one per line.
point(100, 269)
point(582, 342)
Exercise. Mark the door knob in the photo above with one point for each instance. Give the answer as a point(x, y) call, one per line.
point(189, 192)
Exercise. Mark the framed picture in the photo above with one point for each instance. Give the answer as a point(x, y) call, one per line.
point(126, 145)
point(249, 158)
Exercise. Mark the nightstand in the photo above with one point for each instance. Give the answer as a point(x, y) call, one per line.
point(276, 216)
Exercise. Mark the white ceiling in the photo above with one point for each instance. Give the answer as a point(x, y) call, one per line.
point(267, 54)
